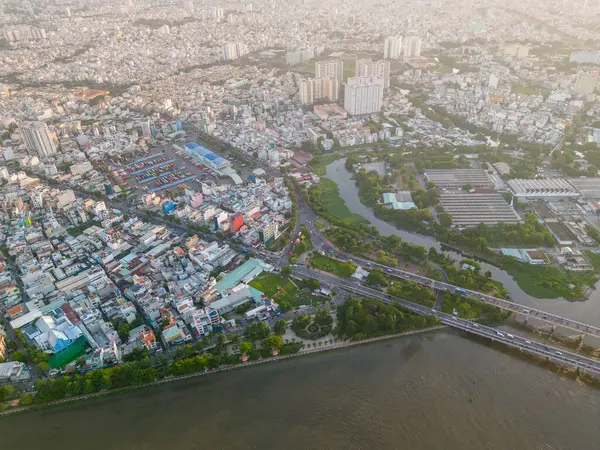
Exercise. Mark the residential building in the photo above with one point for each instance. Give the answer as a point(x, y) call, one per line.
point(38, 139)
point(316, 89)
point(363, 95)
point(234, 51)
point(80, 169)
point(333, 69)
point(366, 67)
point(392, 47)
point(412, 46)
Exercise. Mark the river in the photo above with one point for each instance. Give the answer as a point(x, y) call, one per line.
point(411, 393)
point(587, 311)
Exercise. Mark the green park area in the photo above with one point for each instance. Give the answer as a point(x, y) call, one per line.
point(325, 200)
point(286, 292)
point(339, 268)
point(366, 317)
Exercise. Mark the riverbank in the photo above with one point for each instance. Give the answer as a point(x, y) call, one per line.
point(227, 368)
point(588, 311)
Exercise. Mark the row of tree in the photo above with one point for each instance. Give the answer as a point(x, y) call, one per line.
point(364, 318)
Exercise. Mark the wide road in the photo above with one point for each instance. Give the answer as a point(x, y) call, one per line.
point(580, 328)
point(528, 345)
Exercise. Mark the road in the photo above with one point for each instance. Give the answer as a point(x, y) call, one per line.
point(580, 328)
point(524, 344)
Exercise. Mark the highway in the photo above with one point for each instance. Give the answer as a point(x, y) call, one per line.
point(524, 344)
point(578, 327)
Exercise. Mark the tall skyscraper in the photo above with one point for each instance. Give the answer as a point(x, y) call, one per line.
point(392, 47)
point(331, 68)
point(234, 51)
point(366, 68)
point(363, 95)
point(363, 67)
point(412, 46)
point(38, 139)
point(317, 89)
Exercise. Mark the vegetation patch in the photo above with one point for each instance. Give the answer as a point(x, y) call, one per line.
point(365, 318)
point(316, 327)
point(339, 268)
point(325, 200)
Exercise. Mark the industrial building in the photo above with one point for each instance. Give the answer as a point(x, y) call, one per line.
point(206, 157)
point(469, 210)
point(588, 187)
point(544, 189)
point(455, 179)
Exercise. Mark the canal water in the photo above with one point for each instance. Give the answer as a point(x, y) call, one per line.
point(410, 393)
point(587, 311)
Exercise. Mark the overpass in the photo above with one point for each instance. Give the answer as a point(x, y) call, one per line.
point(558, 355)
point(578, 327)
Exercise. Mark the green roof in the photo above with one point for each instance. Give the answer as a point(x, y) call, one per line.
point(250, 269)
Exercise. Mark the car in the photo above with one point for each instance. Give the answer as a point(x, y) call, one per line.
point(475, 325)
point(528, 342)
point(510, 335)
point(526, 311)
point(558, 353)
point(499, 334)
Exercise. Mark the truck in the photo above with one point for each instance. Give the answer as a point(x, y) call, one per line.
point(244, 250)
point(460, 291)
point(251, 177)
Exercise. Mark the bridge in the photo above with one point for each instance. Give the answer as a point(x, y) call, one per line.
point(533, 347)
point(578, 327)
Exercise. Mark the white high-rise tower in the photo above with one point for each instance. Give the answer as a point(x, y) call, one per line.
point(392, 47)
point(38, 139)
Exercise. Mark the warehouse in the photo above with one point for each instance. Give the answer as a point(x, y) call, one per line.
point(545, 189)
point(455, 179)
point(206, 157)
point(588, 187)
point(468, 210)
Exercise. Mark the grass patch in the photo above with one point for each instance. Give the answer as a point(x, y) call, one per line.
point(550, 281)
point(319, 163)
point(319, 225)
point(333, 266)
point(285, 292)
point(325, 200)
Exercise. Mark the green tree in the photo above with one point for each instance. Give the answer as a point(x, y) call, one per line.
point(273, 341)
point(245, 347)
point(286, 270)
point(445, 219)
point(106, 382)
point(43, 368)
point(80, 361)
point(26, 400)
point(376, 277)
point(279, 327)
point(19, 356)
point(464, 309)
point(258, 331)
